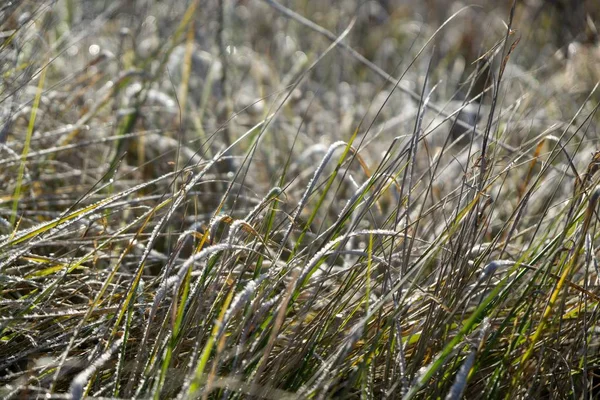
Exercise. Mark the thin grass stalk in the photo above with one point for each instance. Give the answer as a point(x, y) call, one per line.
point(27, 144)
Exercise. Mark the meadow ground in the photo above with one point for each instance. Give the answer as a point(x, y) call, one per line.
point(299, 199)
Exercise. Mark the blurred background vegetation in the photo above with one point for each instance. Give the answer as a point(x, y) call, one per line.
point(138, 134)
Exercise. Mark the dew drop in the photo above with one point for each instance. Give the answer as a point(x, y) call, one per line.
point(94, 49)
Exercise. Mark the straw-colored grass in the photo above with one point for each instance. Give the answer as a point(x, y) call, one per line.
point(301, 199)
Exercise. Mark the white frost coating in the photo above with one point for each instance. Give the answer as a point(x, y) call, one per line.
point(313, 261)
point(460, 382)
point(182, 269)
point(240, 299)
point(22, 235)
point(78, 384)
point(274, 192)
point(493, 266)
point(311, 186)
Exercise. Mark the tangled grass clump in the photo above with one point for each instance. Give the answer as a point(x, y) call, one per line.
point(340, 199)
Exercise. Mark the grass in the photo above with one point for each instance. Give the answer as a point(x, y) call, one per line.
point(268, 199)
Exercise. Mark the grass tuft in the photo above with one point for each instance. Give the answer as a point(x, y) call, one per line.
point(252, 199)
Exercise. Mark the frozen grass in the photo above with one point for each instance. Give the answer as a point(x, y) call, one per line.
point(238, 199)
